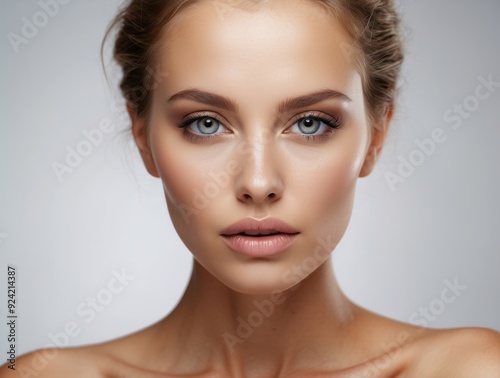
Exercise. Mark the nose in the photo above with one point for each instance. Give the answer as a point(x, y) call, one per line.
point(259, 181)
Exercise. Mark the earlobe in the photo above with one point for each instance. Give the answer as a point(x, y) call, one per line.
point(379, 135)
point(139, 131)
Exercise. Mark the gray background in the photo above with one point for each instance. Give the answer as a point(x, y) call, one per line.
point(68, 237)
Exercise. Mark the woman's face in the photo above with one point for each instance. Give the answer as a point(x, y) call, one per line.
point(288, 140)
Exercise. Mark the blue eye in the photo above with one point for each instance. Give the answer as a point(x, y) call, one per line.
point(207, 125)
point(203, 127)
point(309, 125)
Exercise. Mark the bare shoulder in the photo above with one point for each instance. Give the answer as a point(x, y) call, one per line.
point(412, 351)
point(122, 357)
point(56, 362)
point(457, 353)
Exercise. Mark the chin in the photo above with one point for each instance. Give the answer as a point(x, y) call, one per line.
point(258, 278)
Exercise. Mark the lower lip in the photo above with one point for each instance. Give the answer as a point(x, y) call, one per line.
point(259, 246)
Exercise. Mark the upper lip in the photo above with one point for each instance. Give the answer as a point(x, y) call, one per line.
point(263, 226)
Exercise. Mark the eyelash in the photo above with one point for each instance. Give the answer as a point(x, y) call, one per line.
point(333, 123)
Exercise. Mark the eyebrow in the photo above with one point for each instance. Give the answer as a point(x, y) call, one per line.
point(286, 105)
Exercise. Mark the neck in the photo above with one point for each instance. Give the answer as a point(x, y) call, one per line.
point(260, 334)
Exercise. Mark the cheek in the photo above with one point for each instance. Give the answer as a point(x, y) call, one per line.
point(329, 200)
point(332, 179)
point(187, 176)
point(172, 166)
point(327, 189)
point(336, 180)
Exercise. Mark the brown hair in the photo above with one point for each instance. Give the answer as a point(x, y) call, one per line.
point(373, 25)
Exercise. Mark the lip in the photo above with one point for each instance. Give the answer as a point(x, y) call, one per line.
point(259, 246)
point(264, 225)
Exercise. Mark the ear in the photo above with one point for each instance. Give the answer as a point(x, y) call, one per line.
point(139, 131)
point(378, 136)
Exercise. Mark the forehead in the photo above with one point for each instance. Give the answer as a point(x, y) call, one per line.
point(283, 44)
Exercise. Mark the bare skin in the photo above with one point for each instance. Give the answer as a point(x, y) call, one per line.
point(303, 325)
point(372, 346)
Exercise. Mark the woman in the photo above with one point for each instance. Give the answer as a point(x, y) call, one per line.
point(259, 117)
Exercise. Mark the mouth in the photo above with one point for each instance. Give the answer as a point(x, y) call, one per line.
point(263, 238)
point(259, 245)
point(264, 227)
point(257, 234)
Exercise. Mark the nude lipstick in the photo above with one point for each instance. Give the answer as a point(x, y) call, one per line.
point(259, 238)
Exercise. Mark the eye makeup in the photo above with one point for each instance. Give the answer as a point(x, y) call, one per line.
point(327, 123)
